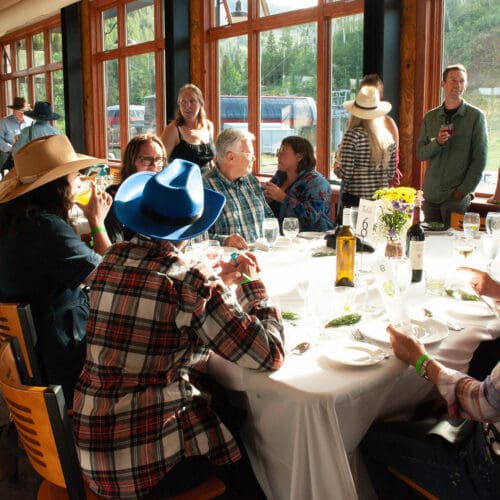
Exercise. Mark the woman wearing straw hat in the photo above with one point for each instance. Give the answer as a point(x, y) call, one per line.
point(142, 415)
point(44, 262)
point(368, 151)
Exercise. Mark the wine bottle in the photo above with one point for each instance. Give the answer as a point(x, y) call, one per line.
point(346, 251)
point(415, 238)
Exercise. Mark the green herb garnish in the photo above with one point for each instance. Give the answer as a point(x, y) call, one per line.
point(346, 319)
point(463, 295)
point(290, 316)
point(324, 254)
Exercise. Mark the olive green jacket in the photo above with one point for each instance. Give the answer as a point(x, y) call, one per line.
point(459, 163)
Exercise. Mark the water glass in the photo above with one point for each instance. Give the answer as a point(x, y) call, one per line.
point(493, 223)
point(434, 280)
point(463, 245)
point(471, 223)
point(290, 227)
point(213, 253)
point(401, 268)
point(270, 228)
point(489, 248)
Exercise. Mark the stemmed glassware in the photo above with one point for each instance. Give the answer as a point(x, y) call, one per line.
point(492, 223)
point(290, 228)
point(213, 253)
point(489, 248)
point(463, 245)
point(471, 223)
point(270, 228)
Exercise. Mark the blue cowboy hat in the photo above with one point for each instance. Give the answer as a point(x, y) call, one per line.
point(43, 112)
point(169, 205)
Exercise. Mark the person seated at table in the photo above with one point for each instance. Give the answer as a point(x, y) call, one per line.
point(142, 416)
point(241, 219)
point(465, 469)
point(367, 152)
point(143, 153)
point(298, 189)
point(44, 261)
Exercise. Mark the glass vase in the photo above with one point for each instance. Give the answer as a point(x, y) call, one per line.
point(393, 247)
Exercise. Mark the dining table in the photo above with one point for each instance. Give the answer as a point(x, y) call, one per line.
point(305, 421)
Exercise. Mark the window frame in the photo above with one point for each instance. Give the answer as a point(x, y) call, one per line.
point(121, 54)
point(45, 27)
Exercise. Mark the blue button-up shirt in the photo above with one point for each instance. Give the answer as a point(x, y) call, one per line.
point(9, 128)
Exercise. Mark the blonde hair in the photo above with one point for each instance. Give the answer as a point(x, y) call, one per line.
point(379, 137)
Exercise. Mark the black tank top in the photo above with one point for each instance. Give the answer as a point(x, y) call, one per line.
point(201, 154)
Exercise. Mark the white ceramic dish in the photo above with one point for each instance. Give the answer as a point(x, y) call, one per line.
point(355, 354)
point(427, 331)
point(465, 309)
point(311, 235)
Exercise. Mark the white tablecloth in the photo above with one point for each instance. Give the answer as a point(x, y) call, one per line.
point(306, 420)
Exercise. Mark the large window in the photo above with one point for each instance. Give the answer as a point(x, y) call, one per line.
point(470, 36)
point(128, 67)
point(275, 77)
point(32, 66)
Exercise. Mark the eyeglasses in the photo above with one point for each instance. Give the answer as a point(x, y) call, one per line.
point(281, 150)
point(148, 161)
point(249, 156)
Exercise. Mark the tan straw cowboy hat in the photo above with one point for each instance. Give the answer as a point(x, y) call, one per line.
point(42, 161)
point(367, 104)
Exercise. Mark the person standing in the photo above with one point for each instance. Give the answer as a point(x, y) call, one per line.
point(42, 114)
point(246, 208)
point(367, 152)
point(190, 135)
point(10, 128)
point(454, 140)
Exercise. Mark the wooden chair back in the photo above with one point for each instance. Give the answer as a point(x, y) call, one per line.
point(457, 222)
point(39, 414)
point(44, 429)
point(16, 321)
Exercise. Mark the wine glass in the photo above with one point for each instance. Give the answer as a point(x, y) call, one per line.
point(493, 223)
point(196, 246)
point(463, 245)
point(401, 268)
point(489, 248)
point(471, 223)
point(270, 228)
point(213, 253)
point(290, 227)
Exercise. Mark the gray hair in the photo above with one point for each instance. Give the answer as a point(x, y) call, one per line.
point(229, 138)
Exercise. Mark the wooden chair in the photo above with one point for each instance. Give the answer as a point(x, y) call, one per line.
point(457, 222)
point(16, 321)
point(44, 428)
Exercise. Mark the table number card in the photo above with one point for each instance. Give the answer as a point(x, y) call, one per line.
point(367, 214)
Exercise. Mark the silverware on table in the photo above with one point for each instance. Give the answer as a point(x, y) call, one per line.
point(456, 327)
point(358, 335)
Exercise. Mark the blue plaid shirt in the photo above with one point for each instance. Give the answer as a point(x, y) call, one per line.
point(245, 207)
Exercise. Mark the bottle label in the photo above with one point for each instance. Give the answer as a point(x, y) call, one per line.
point(416, 254)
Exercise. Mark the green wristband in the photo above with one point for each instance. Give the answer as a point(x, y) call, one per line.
point(97, 229)
point(246, 280)
point(418, 364)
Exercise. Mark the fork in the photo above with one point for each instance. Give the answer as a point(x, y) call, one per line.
point(358, 335)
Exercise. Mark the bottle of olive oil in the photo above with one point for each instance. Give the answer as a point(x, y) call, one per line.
point(346, 251)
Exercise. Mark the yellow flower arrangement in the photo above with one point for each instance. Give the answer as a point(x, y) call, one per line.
point(396, 209)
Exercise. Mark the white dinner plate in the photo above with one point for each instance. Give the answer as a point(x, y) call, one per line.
point(311, 235)
point(427, 331)
point(464, 309)
point(355, 354)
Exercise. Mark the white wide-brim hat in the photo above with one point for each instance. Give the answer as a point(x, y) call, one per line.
point(367, 104)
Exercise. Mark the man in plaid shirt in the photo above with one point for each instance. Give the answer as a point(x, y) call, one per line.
point(246, 208)
point(142, 416)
